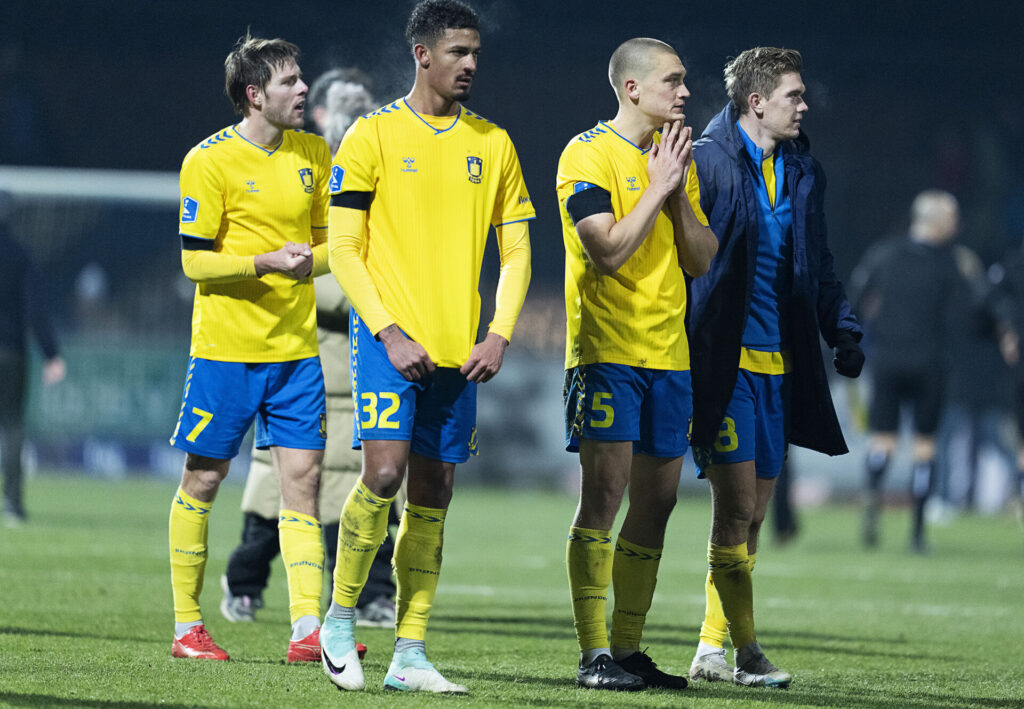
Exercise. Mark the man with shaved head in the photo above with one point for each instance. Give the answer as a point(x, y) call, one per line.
point(630, 233)
point(756, 322)
point(907, 288)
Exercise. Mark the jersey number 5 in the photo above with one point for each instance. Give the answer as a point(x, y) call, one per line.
point(599, 405)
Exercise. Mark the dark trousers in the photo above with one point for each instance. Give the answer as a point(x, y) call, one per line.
point(784, 516)
point(12, 429)
point(249, 565)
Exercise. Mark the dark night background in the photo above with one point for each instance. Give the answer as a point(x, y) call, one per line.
point(902, 95)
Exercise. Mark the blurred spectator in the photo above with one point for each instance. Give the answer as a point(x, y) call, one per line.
point(24, 298)
point(338, 97)
point(904, 291)
point(979, 386)
point(1009, 290)
point(784, 524)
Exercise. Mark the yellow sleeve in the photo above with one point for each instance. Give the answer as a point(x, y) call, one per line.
point(580, 167)
point(347, 232)
point(202, 197)
point(512, 203)
point(514, 247)
point(318, 211)
point(321, 195)
point(203, 266)
point(355, 170)
point(321, 256)
point(693, 193)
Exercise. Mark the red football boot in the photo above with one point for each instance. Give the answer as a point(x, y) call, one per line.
point(198, 644)
point(308, 649)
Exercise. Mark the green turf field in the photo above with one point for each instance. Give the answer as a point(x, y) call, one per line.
point(85, 611)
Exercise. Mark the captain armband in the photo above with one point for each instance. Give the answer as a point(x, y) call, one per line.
point(352, 200)
point(587, 201)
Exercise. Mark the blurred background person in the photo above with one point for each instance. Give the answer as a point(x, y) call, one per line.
point(976, 421)
point(905, 289)
point(24, 299)
point(784, 524)
point(337, 98)
point(1008, 291)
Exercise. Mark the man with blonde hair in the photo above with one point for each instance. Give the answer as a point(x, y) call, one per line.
point(756, 321)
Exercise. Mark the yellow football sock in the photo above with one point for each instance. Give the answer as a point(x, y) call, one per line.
point(730, 573)
point(634, 576)
point(715, 629)
point(363, 526)
point(188, 529)
point(417, 564)
point(302, 550)
point(589, 560)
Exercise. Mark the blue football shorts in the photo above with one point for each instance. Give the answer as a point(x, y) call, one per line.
point(437, 414)
point(755, 427)
point(221, 400)
point(617, 402)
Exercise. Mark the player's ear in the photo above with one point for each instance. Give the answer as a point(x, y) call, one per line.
point(632, 89)
point(255, 95)
point(754, 104)
point(422, 54)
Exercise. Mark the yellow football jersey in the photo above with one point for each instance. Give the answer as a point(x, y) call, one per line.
point(245, 199)
point(634, 317)
point(438, 184)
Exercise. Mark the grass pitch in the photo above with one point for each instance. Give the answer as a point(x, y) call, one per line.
point(85, 611)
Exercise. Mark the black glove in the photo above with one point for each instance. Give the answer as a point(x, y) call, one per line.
point(849, 358)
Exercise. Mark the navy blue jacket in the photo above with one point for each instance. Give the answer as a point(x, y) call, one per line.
point(720, 300)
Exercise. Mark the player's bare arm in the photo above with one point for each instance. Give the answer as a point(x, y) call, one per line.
point(407, 356)
point(696, 244)
point(485, 359)
point(610, 243)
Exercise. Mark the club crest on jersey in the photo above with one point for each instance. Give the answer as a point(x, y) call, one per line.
point(189, 210)
point(475, 167)
point(337, 177)
point(306, 175)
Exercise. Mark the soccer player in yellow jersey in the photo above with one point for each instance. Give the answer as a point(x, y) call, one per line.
point(415, 188)
point(630, 233)
point(253, 231)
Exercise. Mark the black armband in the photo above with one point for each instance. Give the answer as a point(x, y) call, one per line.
point(352, 200)
point(587, 202)
point(194, 243)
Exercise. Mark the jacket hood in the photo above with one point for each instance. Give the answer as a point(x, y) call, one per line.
point(722, 130)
